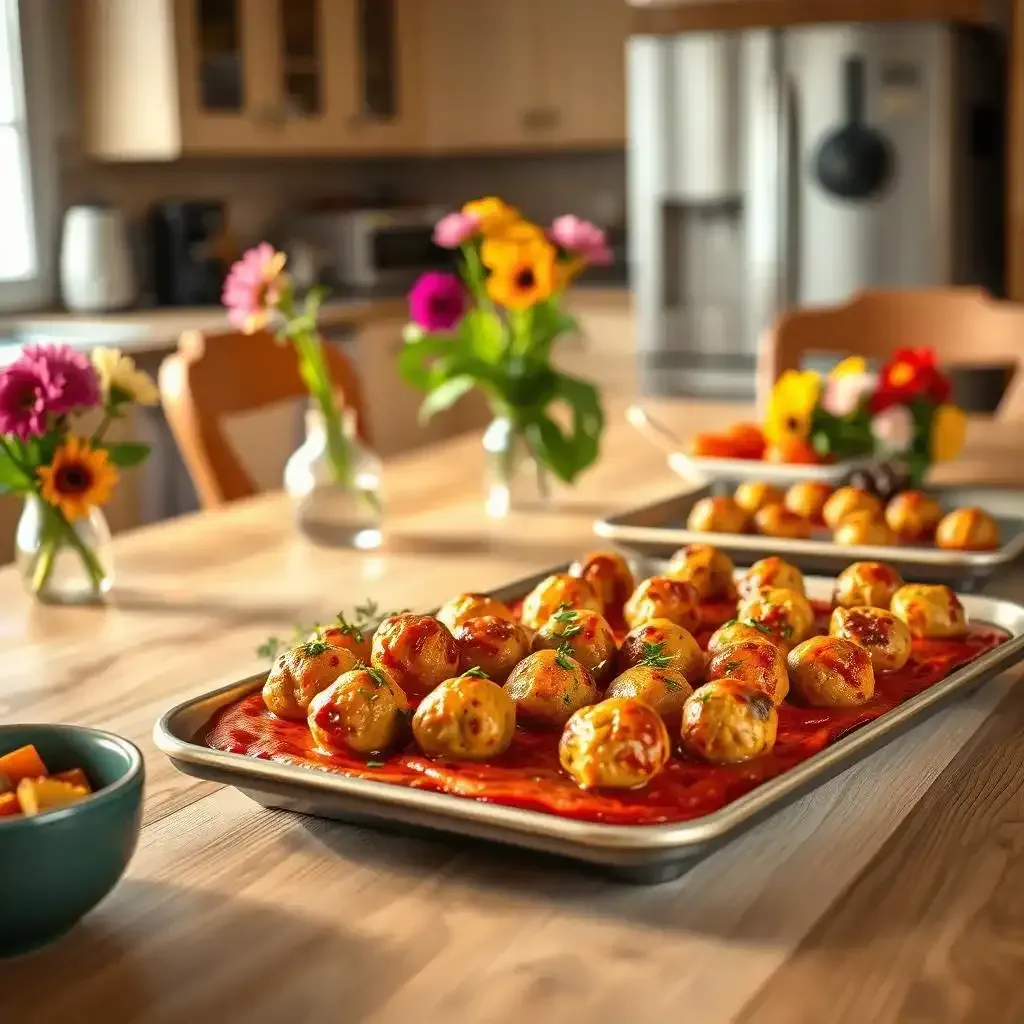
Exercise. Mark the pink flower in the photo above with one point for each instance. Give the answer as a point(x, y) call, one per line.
point(68, 377)
point(580, 237)
point(844, 394)
point(254, 286)
point(437, 301)
point(455, 229)
point(22, 402)
point(893, 429)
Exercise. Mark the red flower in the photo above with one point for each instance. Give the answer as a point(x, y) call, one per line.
point(910, 374)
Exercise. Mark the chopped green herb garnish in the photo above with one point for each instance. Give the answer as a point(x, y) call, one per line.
point(654, 656)
point(313, 648)
point(564, 657)
point(731, 622)
point(375, 764)
point(787, 631)
point(476, 672)
point(378, 677)
point(731, 666)
point(567, 620)
point(762, 628)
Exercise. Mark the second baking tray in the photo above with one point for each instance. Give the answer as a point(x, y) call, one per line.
point(659, 528)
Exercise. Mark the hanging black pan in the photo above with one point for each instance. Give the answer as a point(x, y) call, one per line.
point(854, 161)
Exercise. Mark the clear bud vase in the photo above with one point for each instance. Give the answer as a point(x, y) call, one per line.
point(63, 562)
point(516, 481)
point(335, 506)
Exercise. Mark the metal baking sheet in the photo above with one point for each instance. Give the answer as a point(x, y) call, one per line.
point(659, 528)
point(639, 853)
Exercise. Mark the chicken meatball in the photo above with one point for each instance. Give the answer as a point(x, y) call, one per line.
point(463, 607)
point(417, 651)
point(301, 673)
point(734, 631)
point(362, 712)
point(468, 718)
point(866, 585)
point(665, 689)
point(808, 499)
point(662, 598)
point(547, 687)
point(493, 645)
point(587, 638)
point(555, 591)
point(621, 743)
point(879, 632)
point(662, 644)
point(778, 521)
point(931, 611)
point(718, 514)
point(754, 495)
point(726, 722)
point(708, 569)
point(341, 634)
point(610, 576)
point(967, 529)
point(770, 572)
point(846, 501)
point(913, 515)
point(758, 663)
point(785, 612)
point(863, 529)
point(830, 672)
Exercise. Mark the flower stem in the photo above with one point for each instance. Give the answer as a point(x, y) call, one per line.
point(56, 532)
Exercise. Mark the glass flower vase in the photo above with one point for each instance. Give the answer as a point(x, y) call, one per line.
point(515, 480)
point(335, 505)
point(63, 562)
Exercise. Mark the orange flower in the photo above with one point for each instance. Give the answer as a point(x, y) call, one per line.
point(78, 479)
point(493, 214)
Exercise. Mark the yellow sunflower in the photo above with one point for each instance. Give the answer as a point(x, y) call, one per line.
point(949, 431)
point(79, 478)
point(493, 214)
point(791, 405)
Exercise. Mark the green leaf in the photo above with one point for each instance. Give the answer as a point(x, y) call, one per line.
point(417, 358)
point(445, 395)
point(12, 477)
point(483, 335)
point(126, 454)
point(549, 322)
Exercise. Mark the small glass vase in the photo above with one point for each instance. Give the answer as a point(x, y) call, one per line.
point(333, 511)
point(63, 562)
point(515, 480)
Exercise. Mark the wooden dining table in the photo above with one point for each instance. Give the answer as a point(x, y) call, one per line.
point(895, 892)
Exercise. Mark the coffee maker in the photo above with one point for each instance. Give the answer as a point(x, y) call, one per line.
point(192, 251)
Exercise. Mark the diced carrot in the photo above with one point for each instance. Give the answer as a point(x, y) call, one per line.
point(38, 795)
point(23, 763)
point(9, 805)
point(75, 776)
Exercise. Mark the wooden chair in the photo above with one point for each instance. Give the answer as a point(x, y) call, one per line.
point(212, 377)
point(966, 327)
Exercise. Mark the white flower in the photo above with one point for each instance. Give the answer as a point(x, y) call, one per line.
point(893, 429)
point(844, 394)
point(119, 371)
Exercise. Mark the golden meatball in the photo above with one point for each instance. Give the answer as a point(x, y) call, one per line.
point(587, 638)
point(493, 645)
point(846, 501)
point(662, 644)
point(465, 719)
point(863, 528)
point(808, 499)
point(913, 515)
point(417, 652)
point(708, 569)
point(754, 495)
point(734, 632)
point(967, 529)
point(363, 711)
point(778, 521)
point(866, 585)
point(547, 687)
point(621, 743)
point(879, 632)
point(662, 598)
point(463, 607)
point(930, 610)
point(768, 573)
point(786, 613)
point(609, 574)
point(550, 594)
point(301, 673)
point(719, 514)
point(758, 663)
point(726, 722)
point(830, 672)
point(665, 689)
point(341, 634)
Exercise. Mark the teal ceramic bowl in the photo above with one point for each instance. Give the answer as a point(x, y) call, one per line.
point(56, 866)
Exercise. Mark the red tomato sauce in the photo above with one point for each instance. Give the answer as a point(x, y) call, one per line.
point(528, 775)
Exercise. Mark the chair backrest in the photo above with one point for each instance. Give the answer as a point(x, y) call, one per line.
point(214, 376)
point(965, 327)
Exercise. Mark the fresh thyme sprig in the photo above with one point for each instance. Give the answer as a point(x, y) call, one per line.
point(654, 656)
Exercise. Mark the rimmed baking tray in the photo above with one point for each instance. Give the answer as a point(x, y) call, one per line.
point(640, 853)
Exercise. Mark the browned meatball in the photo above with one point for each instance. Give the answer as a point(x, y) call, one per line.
point(734, 631)
point(555, 591)
point(967, 529)
point(362, 712)
point(463, 607)
point(808, 499)
point(930, 610)
point(662, 644)
point(708, 569)
point(662, 598)
point(718, 514)
point(754, 495)
point(726, 722)
point(352, 638)
point(465, 719)
point(547, 687)
point(301, 673)
point(586, 636)
point(758, 663)
point(778, 521)
point(665, 689)
point(860, 529)
point(866, 584)
point(493, 645)
point(879, 632)
point(848, 500)
point(913, 515)
point(830, 672)
point(610, 576)
point(769, 573)
point(417, 651)
point(785, 612)
point(621, 743)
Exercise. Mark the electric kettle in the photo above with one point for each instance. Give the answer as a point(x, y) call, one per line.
point(96, 271)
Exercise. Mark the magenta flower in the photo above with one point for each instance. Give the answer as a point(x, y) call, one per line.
point(22, 402)
point(581, 238)
point(437, 301)
point(253, 287)
point(455, 229)
point(68, 377)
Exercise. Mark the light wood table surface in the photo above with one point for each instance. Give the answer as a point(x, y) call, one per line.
point(891, 894)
